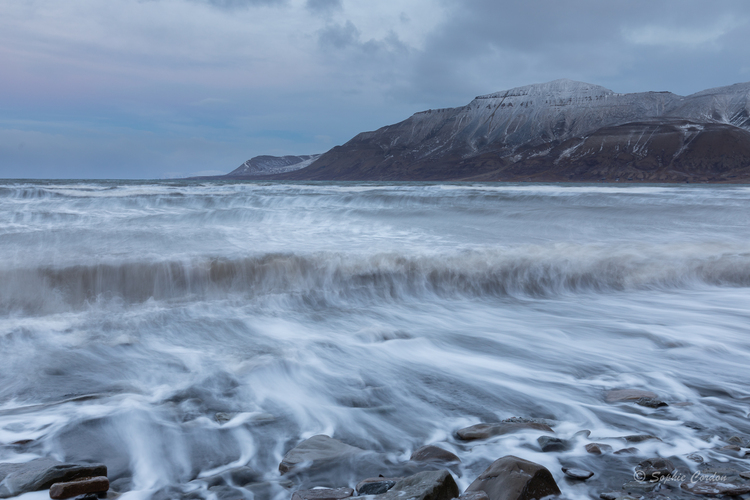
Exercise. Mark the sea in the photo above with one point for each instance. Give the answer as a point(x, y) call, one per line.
point(177, 330)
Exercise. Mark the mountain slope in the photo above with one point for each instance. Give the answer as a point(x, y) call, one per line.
point(557, 131)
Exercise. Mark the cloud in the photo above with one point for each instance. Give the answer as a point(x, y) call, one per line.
point(240, 4)
point(324, 7)
point(339, 36)
point(682, 36)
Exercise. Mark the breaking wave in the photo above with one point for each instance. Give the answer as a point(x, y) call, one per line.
point(531, 271)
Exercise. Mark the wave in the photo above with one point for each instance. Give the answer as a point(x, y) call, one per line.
point(531, 271)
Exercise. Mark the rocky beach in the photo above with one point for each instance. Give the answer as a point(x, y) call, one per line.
point(313, 341)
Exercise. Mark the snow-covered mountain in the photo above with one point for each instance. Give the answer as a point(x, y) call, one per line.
point(269, 165)
point(560, 130)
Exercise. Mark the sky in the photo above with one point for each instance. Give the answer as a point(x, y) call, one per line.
point(155, 89)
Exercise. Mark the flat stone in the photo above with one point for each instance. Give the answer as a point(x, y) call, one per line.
point(323, 494)
point(731, 447)
point(430, 453)
point(484, 431)
point(513, 478)
point(579, 474)
point(627, 451)
point(376, 485)
point(715, 489)
point(639, 487)
point(239, 476)
point(618, 395)
point(316, 450)
point(598, 448)
point(638, 438)
point(651, 402)
point(42, 473)
point(80, 487)
point(653, 468)
point(745, 475)
point(695, 458)
point(430, 485)
point(474, 495)
point(547, 444)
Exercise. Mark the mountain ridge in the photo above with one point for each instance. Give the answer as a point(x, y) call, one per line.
point(561, 130)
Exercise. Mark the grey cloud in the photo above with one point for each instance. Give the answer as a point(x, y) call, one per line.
point(489, 45)
point(324, 6)
point(339, 36)
point(240, 4)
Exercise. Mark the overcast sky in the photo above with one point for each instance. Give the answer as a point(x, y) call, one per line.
point(165, 88)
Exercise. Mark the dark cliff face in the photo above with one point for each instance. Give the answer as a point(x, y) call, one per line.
point(558, 131)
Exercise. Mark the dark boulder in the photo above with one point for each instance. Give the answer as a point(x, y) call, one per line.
point(323, 494)
point(653, 468)
point(432, 453)
point(42, 473)
point(651, 402)
point(548, 443)
point(376, 485)
point(430, 485)
point(513, 478)
point(474, 495)
point(484, 431)
point(85, 486)
point(318, 450)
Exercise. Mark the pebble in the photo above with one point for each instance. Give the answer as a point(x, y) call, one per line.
point(618, 395)
point(579, 474)
point(651, 402)
point(598, 448)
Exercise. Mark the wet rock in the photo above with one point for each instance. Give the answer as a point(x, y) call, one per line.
point(695, 458)
point(638, 438)
point(430, 453)
point(694, 425)
point(584, 433)
point(484, 431)
point(651, 403)
point(627, 451)
point(745, 475)
point(42, 473)
point(474, 495)
point(598, 448)
point(611, 495)
point(618, 395)
point(376, 485)
point(736, 440)
point(121, 485)
point(731, 447)
point(547, 444)
point(653, 468)
point(513, 478)
point(323, 494)
point(431, 485)
point(715, 489)
point(638, 488)
point(80, 487)
point(225, 492)
point(579, 474)
point(239, 476)
point(318, 450)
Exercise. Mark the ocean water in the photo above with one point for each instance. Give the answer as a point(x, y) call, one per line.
point(174, 330)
